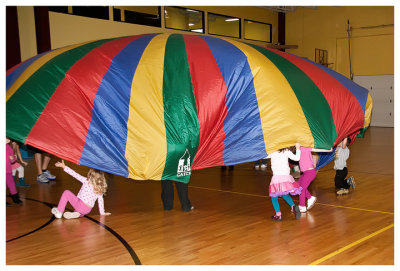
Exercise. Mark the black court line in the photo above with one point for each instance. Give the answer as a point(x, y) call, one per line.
point(134, 257)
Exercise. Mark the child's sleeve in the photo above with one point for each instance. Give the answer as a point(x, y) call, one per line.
point(100, 202)
point(294, 157)
point(75, 175)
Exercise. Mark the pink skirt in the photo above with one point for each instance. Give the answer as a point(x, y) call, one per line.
point(283, 185)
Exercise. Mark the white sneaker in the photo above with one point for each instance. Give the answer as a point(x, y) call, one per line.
point(303, 209)
point(70, 215)
point(56, 212)
point(257, 166)
point(263, 166)
point(48, 175)
point(310, 202)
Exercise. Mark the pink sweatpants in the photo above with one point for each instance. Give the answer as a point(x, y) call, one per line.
point(305, 180)
point(76, 202)
point(11, 184)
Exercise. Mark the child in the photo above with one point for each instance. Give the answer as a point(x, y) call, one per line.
point(17, 167)
point(282, 183)
point(10, 158)
point(93, 188)
point(307, 166)
point(342, 153)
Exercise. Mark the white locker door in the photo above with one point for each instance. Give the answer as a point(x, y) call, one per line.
point(381, 88)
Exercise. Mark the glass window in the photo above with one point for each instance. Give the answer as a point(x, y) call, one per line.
point(223, 25)
point(184, 19)
point(60, 9)
point(257, 31)
point(99, 12)
point(144, 15)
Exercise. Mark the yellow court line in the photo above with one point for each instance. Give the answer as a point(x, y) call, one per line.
point(330, 255)
point(264, 196)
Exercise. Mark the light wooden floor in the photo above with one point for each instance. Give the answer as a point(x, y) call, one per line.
point(230, 225)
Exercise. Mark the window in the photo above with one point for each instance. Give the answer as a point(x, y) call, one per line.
point(223, 25)
point(257, 31)
point(59, 9)
point(99, 12)
point(184, 19)
point(321, 56)
point(144, 15)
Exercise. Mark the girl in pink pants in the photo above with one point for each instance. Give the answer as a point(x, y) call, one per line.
point(11, 158)
point(307, 166)
point(93, 188)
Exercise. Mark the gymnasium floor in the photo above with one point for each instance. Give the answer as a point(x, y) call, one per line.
point(230, 224)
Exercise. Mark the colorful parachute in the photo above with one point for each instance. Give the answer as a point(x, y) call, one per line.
point(157, 106)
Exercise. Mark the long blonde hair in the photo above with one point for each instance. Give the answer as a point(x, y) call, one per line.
point(97, 179)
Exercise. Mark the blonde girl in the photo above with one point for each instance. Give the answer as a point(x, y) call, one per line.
point(93, 188)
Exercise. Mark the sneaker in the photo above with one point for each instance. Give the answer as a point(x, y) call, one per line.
point(342, 191)
point(303, 209)
point(276, 218)
point(296, 211)
point(263, 166)
point(310, 202)
point(69, 215)
point(56, 212)
point(41, 178)
point(190, 209)
point(8, 204)
point(351, 182)
point(48, 174)
point(257, 166)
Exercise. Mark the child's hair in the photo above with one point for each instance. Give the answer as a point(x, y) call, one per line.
point(291, 148)
point(13, 144)
point(97, 179)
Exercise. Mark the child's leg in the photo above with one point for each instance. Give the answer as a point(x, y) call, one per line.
point(11, 184)
point(288, 199)
point(21, 172)
point(70, 197)
point(305, 181)
point(275, 203)
point(340, 177)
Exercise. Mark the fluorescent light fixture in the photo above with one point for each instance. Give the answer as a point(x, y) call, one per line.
point(191, 10)
point(199, 30)
point(232, 20)
point(190, 24)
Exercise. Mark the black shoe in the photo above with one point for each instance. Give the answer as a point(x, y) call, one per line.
point(8, 204)
point(276, 218)
point(189, 209)
point(15, 199)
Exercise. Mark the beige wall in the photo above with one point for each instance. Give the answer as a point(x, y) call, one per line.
point(27, 32)
point(372, 37)
point(68, 29)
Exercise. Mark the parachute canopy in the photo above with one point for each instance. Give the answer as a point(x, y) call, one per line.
point(156, 106)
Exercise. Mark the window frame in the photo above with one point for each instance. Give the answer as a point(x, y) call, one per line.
point(270, 32)
point(202, 20)
point(240, 25)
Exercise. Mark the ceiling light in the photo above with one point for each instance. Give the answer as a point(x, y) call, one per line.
point(232, 20)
